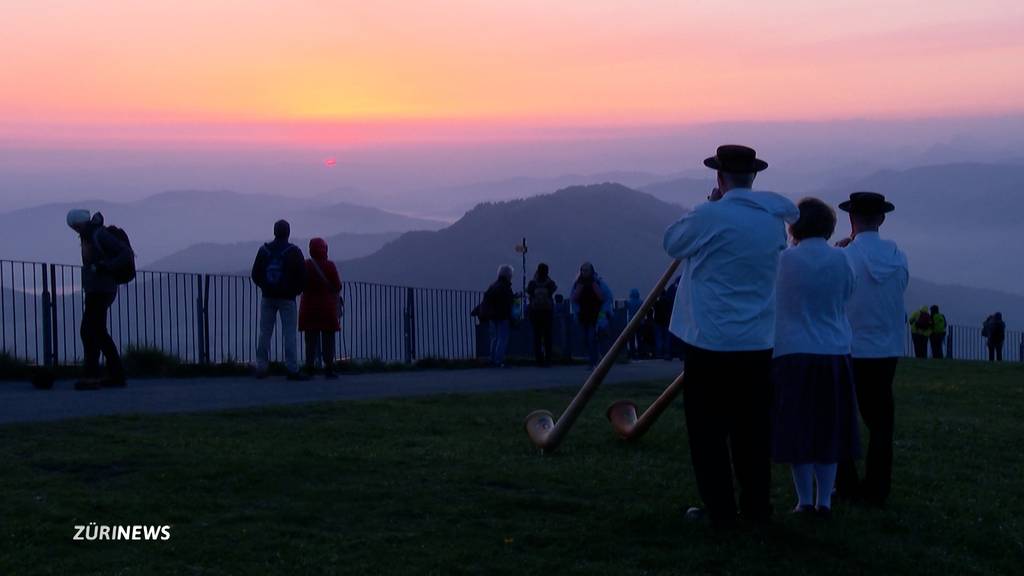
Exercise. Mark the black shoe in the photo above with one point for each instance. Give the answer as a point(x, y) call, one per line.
point(803, 510)
point(88, 384)
point(695, 515)
point(298, 377)
point(823, 512)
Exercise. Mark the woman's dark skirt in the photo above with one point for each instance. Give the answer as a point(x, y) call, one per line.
point(815, 416)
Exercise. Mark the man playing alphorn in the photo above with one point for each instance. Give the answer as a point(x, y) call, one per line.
point(724, 313)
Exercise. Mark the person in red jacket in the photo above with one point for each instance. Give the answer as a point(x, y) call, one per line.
point(319, 317)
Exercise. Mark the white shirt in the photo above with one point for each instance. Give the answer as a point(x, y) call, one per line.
point(815, 283)
point(730, 248)
point(876, 311)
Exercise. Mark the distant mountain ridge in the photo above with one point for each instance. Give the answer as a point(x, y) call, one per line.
point(213, 258)
point(618, 229)
point(162, 224)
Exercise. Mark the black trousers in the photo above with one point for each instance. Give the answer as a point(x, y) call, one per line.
point(995, 351)
point(873, 379)
point(938, 340)
point(920, 345)
point(542, 322)
point(727, 397)
point(96, 339)
point(322, 344)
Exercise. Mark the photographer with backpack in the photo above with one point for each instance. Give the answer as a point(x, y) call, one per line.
point(107, 261)
point(280, 273)
point(541, 291)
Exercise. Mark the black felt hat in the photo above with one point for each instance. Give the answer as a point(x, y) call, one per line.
point(735, 158)
point(867, 203)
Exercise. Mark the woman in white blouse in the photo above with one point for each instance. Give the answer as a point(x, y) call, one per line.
point(815, 418)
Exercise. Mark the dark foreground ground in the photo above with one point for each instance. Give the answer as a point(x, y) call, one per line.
point(450, 485)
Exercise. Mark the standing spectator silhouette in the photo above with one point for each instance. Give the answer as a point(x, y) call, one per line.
point(102, 255)
point(920, 331)
point(280, 273)
point(319, 317)
point(994, 331)
point(662, 319)
point(541, 291)
point(592, 302)
point(877, 320)
point(938, 336)
point(497, 309)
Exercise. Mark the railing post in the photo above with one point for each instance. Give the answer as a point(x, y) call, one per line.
point(949, 343)
point(409, 326)
point(47, 327)
point(203, 317)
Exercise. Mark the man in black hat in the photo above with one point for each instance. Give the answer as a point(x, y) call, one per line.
point(876, 314)
point(724, 313)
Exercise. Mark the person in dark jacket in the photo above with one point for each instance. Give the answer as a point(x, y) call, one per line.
point(995, 333)
point(541, 291)
point(102, 253)
point(592, 303)
point(497, 303)
point(280, 273)
point(318, 308)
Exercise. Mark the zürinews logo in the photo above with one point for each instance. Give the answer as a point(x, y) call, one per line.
point(93, 532)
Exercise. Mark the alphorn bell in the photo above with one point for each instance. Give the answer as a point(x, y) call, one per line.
point(622, 413)
point(541, 427)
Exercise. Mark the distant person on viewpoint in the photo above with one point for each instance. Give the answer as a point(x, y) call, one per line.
point(497, 306)
point(319, 313)
point(994, 331)
point(724, 312)
point(876, 314)
point(815, 420)
point(921, 331)
point(541, 291)
point(938, 336)
point(103, 255)
point(592, 302)
point(280, 273)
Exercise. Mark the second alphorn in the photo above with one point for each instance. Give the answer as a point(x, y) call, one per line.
point(541, 426)
point(622, 413)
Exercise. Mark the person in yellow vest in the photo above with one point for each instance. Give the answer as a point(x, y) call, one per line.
point(921, 331)
point(938, 335)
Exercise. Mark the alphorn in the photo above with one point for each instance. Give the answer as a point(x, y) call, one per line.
point(622, 413)
point(541, 426)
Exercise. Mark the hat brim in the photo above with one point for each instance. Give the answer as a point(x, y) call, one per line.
point(714, 164)
point(884, 208)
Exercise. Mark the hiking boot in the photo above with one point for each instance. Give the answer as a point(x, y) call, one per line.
point(88, 384)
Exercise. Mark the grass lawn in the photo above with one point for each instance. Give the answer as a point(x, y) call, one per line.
point(451, 485)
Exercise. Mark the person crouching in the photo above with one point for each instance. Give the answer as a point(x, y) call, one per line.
point(815, 416)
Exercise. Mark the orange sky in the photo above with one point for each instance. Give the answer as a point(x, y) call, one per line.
point(90, 63)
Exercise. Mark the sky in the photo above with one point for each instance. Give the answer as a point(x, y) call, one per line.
point(306, 73)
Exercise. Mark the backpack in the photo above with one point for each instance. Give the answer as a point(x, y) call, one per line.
point(274, 273)
point(126, 273)
point(924, 321)
point(542, 298)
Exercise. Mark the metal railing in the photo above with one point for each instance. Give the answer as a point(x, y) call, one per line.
point(214, 318)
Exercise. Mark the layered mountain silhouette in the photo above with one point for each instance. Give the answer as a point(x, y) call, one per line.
point(165, 223)
point(236, 257)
